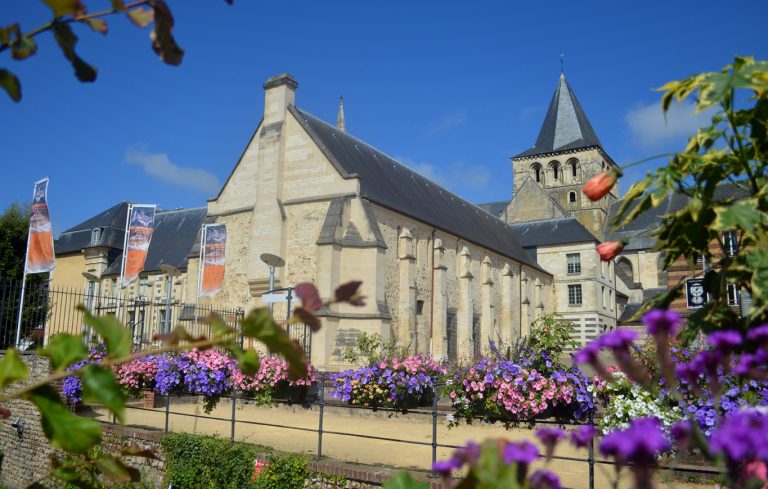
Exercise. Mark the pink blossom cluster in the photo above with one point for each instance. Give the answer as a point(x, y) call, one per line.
point(414, 365)
point(530, 394)
point(272, 370)
point(138, 374)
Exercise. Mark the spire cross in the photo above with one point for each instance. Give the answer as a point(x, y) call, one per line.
point(562, 63)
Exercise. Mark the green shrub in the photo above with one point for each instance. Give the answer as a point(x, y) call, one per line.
point(194, 461)
point(283, 472)
point(204, 462)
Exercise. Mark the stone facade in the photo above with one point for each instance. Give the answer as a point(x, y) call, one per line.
point(434, 291)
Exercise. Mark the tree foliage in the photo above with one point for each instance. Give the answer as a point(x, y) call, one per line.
point(14, 226)
point(141, 13)
point(722, 172)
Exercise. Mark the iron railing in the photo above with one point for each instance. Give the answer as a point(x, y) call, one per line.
point(49, 311)
point(435, 411)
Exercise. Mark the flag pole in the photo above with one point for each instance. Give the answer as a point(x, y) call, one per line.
point(200, 269)
point(23, 288)
point(122, 262)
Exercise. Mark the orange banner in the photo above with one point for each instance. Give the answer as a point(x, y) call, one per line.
point(40, 257)
point(214, 247)
point(141, 225)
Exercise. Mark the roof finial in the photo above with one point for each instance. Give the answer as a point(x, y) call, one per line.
point(562, 64)
point(341, 124)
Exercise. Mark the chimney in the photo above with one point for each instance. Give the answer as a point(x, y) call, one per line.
point(280, 93)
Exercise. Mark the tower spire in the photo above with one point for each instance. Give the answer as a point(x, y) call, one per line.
point(341, 123)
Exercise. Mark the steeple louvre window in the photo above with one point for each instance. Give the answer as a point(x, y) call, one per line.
point(573, 165)
point(537, 172)
point(572, 197)
point(554, 167)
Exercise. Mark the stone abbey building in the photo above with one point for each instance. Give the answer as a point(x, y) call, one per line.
point(441, 274)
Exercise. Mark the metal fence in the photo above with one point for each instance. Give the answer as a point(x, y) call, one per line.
point(321, 401)
point(48, 311)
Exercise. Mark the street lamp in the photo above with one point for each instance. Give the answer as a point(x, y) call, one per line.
point(272, 261)
point(170, 272)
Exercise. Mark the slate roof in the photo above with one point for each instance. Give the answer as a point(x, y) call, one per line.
point(494, 208)
point(633, 307)
point(391, 184)
point(173, 238)
point(565, 127)
point(640, 231)
point(111, 222)
point(551, 232)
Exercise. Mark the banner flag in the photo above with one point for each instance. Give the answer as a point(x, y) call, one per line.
point(40, 257)
point(141, 224)
point(214, 247)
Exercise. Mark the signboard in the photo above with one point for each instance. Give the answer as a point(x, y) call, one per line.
point(695, 295)
point(272, 298)
point(40, 257)
point(214, 247)
point(141, 225)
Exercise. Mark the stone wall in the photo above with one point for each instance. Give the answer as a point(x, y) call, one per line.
point(26, 458)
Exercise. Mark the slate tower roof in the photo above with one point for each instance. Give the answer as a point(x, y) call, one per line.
point(565, 127)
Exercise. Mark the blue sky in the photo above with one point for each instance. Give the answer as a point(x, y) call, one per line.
point(451, 88)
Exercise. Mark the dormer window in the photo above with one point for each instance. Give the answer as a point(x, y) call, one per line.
point(95, 236)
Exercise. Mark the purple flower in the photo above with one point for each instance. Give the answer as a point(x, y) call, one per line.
point(742, 437)
point(759, 334)
point(619, 339)
point(467, 454)
point(549, 438)
point(724, 340)
point(581, 437)
point(588, 354)
point(661, 322)
point(640, 443)
point(544, 479)
point(523, 452)
point(444, 467)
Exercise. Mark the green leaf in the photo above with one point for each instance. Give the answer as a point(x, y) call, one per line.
point(140, 16)
point(247, 360)
point(64, 429)
point(258, 324)
point(65, 7)
point(98, 25)
point(12, 368)
point(23, 47)
point(64, 350)
point(403, 480)
point(163, 42)
point(744, 214)
point(10, 84)
point(67, 40)
point(100, 385)
point(695, 205)
point(114, 469)
point(219, 327)
point(116, 336)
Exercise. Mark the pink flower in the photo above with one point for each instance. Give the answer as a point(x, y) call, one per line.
point(599, 186)
point(609, 250)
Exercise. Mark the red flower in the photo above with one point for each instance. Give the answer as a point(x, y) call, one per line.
point(598, 187)
point(608, 251)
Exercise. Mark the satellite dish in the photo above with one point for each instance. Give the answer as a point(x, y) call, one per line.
point(272, 260)
point(170, 270)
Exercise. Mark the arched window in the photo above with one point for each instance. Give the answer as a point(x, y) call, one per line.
point(661, 271)
point(571, 197)
point(537, 172)
point(554, 167)
point(573, 165)
point(625, 267)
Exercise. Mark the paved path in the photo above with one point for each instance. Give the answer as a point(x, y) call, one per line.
point(412, 427)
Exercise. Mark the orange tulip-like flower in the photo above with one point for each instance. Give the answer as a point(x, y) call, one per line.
point(608, 251)
point(598, 187)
